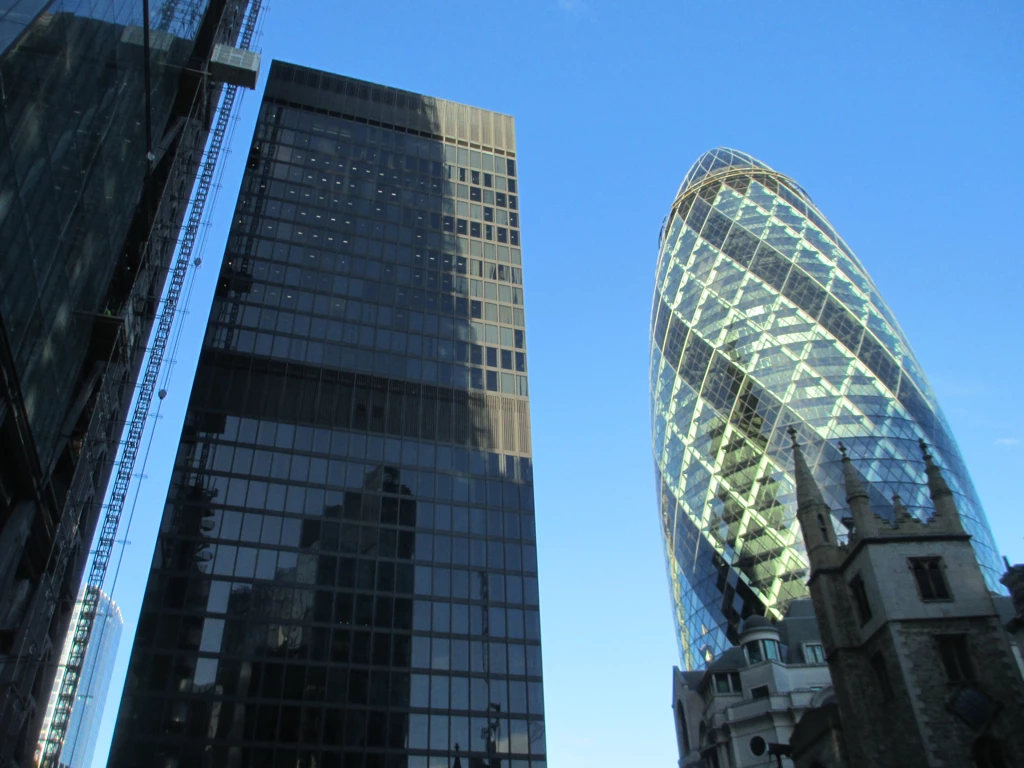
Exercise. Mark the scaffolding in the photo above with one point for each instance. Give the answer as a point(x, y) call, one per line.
point(54, 739)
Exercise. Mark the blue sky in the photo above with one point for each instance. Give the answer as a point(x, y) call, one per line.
point(901, 120)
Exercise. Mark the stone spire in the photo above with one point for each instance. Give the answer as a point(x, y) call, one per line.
point(864, 520)
point(812, 512)
point(946, 512)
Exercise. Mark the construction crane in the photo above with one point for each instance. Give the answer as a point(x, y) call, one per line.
point(54, 741)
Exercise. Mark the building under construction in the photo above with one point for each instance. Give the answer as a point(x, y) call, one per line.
point(105, 114)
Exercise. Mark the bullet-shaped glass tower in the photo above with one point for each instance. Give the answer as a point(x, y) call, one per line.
point(763, 318)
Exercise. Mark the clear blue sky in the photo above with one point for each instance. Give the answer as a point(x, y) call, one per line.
point(901, 120)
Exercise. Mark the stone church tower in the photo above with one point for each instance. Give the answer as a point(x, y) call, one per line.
point(923, 670)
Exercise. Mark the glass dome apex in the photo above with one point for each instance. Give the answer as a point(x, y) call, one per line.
point(725, 158)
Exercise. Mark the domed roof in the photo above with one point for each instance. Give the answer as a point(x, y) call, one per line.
point(724, 158)
point(752, 623)
point(718, 159)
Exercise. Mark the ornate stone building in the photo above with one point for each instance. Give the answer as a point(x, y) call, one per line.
point(923, 667)
point(745, 704)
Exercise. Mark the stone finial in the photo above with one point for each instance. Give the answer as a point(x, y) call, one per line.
point(946, 513)
point(864, 520)
point(812, 512)
point(903, 516)
point(1013, 580)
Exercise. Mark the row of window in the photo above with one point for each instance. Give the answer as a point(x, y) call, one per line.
point(369, 508)
point(367, 165)
point(343, 610)
point(335, 136)
point(287, 463)
point(386, 260)
point(366, 361)
point(328, 286)
point(282, 326)
point(342, 274)
point(335, 475)
point(373, 540)
point(270, 723)
point(383, 225)
point(270, 563)
point(339, 443)
point(334, 645)
point(384, 305)
point(392, 186)
point(383, 203)
point(321, 205)
point(317, 656)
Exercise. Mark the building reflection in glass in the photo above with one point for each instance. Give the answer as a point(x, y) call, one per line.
point(346, 573)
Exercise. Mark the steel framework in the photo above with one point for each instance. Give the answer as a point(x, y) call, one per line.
point(135, 427)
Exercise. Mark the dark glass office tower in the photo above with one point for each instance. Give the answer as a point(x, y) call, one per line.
point(346, 573)
point(98, 155)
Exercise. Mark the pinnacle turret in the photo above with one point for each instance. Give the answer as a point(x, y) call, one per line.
point(864, 521)
point(942, 497)
point(812, 512)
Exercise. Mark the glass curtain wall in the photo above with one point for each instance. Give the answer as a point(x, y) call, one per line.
point(763, 319)
point(347, 569)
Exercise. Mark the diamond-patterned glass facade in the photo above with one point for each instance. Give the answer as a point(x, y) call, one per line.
point(763, 318)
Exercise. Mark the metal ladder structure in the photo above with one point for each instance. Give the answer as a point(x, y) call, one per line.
point(135, 427)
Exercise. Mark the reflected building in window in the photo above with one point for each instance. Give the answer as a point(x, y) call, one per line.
point(763, 318)
point(97, 672)
point(346, 573)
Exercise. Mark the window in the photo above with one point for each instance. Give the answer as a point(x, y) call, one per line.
point(758, 746)
point(882, 675)
point(814, 653)
point(754, 653)
point(955, 657)
point(728, 682)
point(860, 599)
point(734, 678)
point(761, 650)
point(931, 581)
point(760, 692)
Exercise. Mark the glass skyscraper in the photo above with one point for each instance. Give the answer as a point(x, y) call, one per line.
point(346, 573)
point(97, 671)
point(763, 319)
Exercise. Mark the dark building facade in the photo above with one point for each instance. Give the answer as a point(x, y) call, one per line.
point(98, 155)
point(346, 572)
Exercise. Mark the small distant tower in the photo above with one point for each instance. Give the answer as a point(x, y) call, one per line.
point(923, 669)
